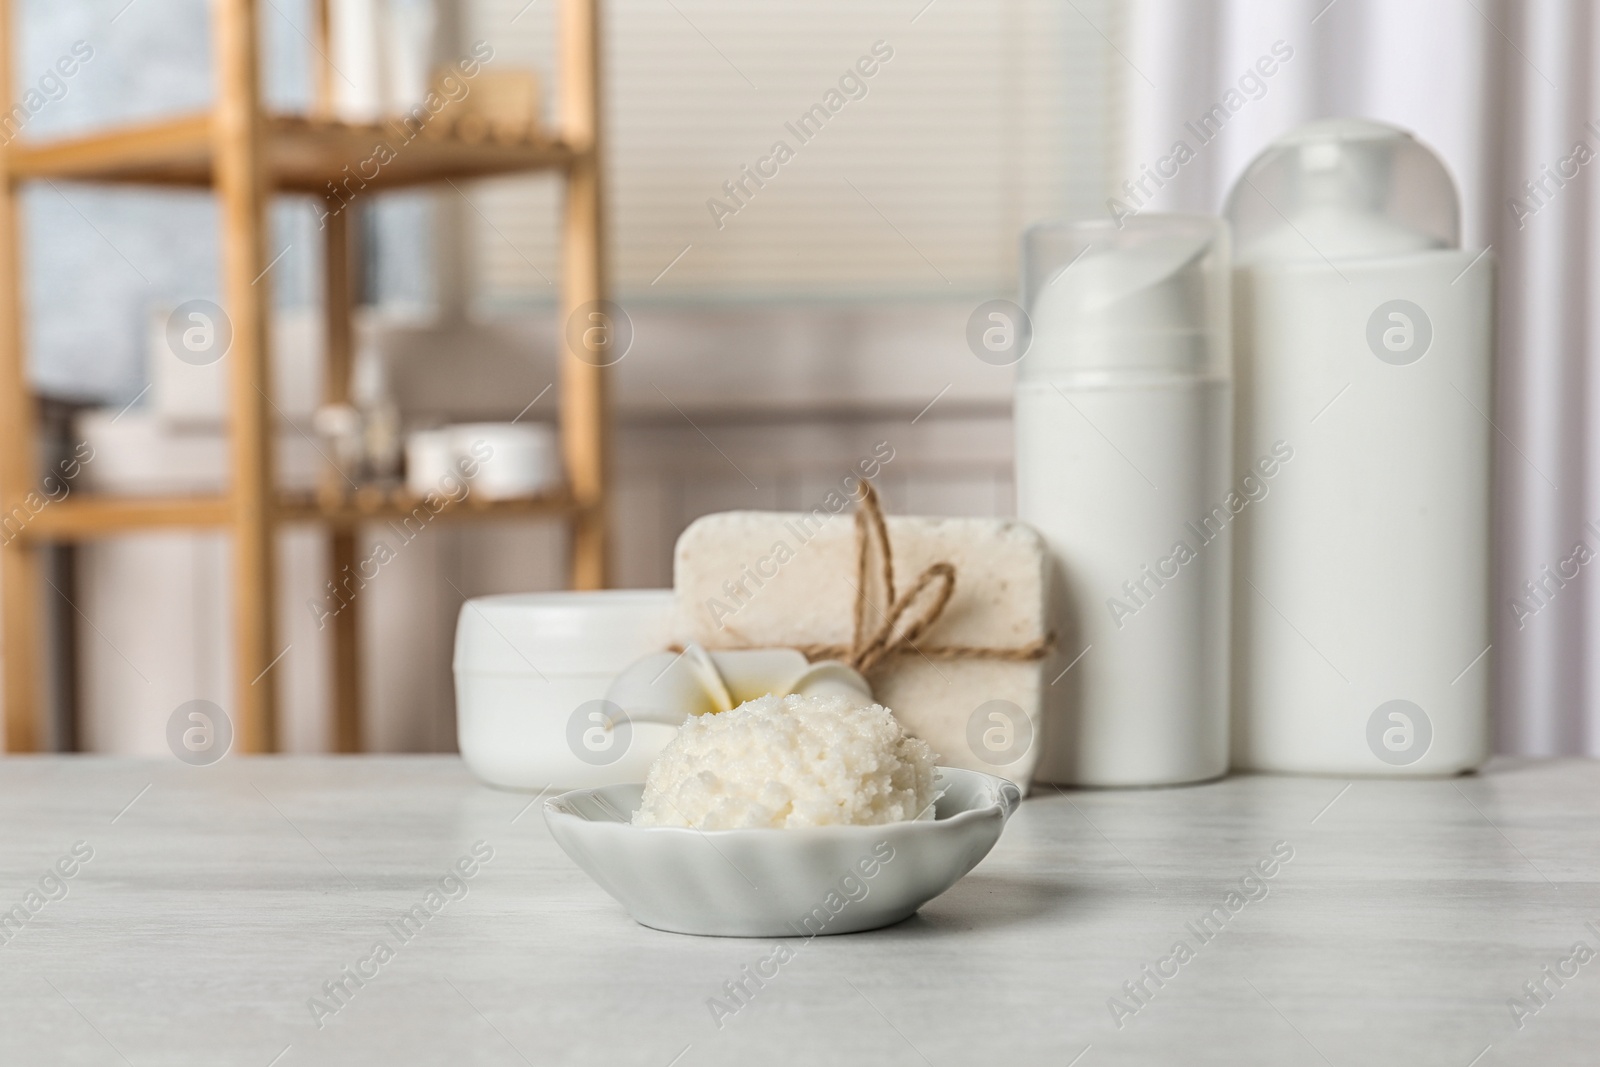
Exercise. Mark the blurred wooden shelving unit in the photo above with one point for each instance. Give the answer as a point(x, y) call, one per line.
point(248, 156)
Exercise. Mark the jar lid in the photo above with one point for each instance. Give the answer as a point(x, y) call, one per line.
point(565, 632)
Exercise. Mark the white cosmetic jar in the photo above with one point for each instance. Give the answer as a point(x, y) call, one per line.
point(531, 673)
point(515, 460)
point(431, 463)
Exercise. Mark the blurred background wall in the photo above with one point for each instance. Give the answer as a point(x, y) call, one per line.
point(776, 343)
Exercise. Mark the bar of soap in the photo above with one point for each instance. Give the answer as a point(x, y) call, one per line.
point(758, 578)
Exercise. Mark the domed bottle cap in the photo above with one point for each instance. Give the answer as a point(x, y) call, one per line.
point(1343, 189)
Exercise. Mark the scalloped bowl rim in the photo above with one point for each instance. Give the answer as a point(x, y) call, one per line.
point(1006, 797)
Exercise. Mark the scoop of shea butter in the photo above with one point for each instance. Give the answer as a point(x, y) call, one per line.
point(790, 761)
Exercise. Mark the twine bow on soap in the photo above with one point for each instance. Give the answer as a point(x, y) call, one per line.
point(907, 616)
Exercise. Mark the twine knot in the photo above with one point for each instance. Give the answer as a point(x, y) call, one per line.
point(908, 616)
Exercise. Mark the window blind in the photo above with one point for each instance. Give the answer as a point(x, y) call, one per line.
point(977, 118)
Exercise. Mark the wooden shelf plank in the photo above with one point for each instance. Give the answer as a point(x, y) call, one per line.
point(87, 515)
point(401, 507)
point(303, 155)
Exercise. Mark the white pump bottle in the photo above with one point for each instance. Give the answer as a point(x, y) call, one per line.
point(1364, 337)
point(1124, 421)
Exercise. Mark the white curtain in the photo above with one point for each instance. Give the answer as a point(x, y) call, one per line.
point(1502, 89)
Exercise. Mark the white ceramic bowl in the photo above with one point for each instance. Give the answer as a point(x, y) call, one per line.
point(780, 883)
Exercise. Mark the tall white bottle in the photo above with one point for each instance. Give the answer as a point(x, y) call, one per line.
point(1364, 342)
point(1124, 415)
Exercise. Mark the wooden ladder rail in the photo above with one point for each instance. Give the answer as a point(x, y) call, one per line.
point(242, 193)
point(340, 296)
point(585, 433)
point(20, 575)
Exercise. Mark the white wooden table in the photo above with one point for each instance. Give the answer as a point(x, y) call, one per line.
point(219, 901)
